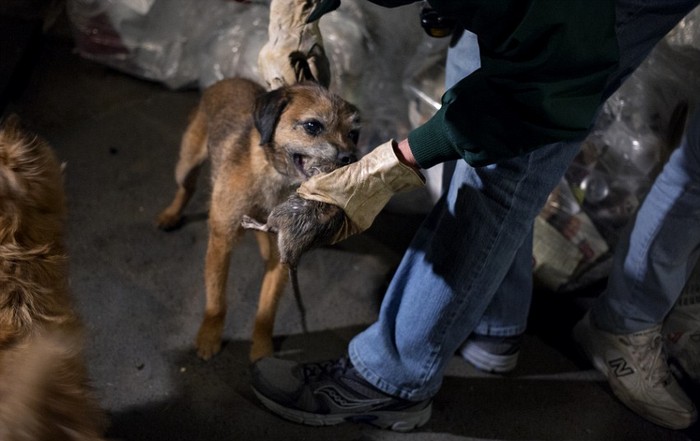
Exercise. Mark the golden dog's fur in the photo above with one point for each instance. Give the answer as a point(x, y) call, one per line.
point(262, 146)
point(44, 392)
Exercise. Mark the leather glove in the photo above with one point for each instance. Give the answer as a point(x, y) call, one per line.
point(294, 50)
point(331, 207)
point(363, 188)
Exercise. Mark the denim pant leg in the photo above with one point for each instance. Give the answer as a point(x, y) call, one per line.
point(462, 59)
point(508, 311)
point(452, 269)
point(507, 314)
point(461, 254)
point(657, 253)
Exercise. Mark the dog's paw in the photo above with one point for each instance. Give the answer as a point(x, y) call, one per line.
point(260, 349)
point(207, 349)
point(209, 339)
point(167, 221)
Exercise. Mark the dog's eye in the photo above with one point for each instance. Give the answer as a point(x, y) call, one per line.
point(312, 127)
point(354, 136)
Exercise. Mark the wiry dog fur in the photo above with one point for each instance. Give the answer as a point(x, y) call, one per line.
point(262, 145)
point(44, 391)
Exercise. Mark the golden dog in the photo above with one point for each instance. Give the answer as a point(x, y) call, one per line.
point(262, 146)
point(44, 392)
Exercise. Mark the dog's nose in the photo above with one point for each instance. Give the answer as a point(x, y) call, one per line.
point(346, 158)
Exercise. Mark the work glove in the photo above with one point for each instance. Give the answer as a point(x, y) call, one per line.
point(328, 208)
point(294, 51)
point(363, 188)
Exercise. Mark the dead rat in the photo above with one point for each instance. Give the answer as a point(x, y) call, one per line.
point(301, 225)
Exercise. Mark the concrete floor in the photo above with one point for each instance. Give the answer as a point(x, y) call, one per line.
point(139, 291)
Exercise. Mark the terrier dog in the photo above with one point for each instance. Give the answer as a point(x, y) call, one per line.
point(44, 391)
point(262, 146)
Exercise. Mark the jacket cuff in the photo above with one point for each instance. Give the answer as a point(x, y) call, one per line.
point(430, 143)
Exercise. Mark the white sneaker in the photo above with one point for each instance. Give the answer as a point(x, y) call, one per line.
point(638, 373)
point(490, 353)
point(682, 338)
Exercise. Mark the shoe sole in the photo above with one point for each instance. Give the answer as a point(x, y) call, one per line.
point(393, 420)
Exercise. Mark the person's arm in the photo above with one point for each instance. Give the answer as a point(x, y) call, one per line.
point(294, 51)
point(542, 78)
point(543, 73)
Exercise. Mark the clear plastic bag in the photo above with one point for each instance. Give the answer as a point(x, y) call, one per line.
point(638, 128)
point(632, 138)
point(193, 43)
point(159, 40)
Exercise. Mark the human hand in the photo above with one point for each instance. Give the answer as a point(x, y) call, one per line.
point(363, 188)
point(331, 207)
point(294, 51)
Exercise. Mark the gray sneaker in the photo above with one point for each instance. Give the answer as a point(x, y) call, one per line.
point(638, 373)
point(322, 394)
point(491, 354)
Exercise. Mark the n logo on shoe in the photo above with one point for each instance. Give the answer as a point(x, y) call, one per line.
point(620, 367)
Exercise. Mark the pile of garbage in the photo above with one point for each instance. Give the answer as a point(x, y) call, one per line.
point(194, 43)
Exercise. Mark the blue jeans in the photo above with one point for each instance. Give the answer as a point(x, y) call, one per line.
point(507, 312)
point(476, 239)
point(659, 249)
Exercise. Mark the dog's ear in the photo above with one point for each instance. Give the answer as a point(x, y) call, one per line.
point(268, 108)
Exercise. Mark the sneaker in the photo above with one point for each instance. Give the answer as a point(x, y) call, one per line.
point(491, 354)
point(638, 373)
point(323, 394)
point(682, 338)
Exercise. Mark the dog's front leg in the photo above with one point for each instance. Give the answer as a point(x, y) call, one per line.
point(274, 281)
point(215, 275)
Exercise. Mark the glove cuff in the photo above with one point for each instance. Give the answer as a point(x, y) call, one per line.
point(397, 176)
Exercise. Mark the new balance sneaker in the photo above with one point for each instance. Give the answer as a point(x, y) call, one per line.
point(491, 354)
point(637, 371)
point(322, 394)
point(682, 338)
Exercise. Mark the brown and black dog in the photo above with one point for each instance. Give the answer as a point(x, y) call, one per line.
point(262, 146)
point(44, 391)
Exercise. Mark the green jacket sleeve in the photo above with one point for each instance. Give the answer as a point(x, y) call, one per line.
point(541, 81)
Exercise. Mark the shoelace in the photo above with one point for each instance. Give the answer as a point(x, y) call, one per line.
point(656, 367)
point(332, 368)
